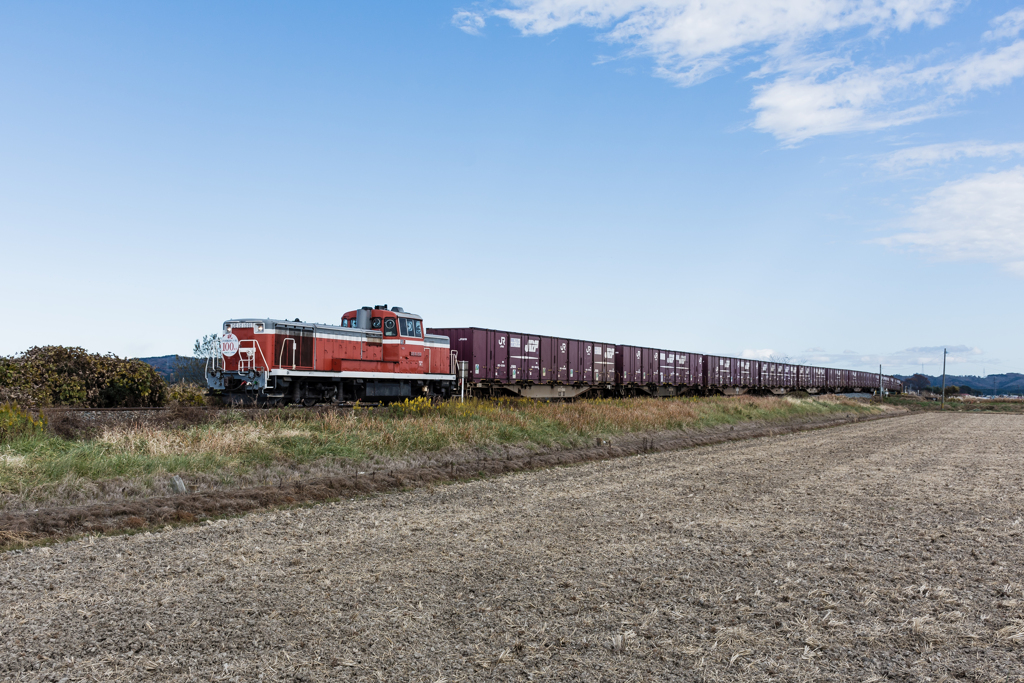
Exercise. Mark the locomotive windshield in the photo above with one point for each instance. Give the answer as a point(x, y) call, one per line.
point(390, 328)
point(410, 327)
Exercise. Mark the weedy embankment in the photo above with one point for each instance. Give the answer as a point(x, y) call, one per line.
point(76, 463)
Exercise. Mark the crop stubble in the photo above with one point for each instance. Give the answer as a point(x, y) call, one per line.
point(887, 549)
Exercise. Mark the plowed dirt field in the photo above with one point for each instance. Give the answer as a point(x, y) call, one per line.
point(880, 550)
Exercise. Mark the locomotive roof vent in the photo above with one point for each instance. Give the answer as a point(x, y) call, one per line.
point(381, 308)
point(367, 308)
point(398, 309)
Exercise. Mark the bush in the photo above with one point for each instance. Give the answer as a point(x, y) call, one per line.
point(63, 376)
point(411, 406)
point(187, 394)
point(17, 422)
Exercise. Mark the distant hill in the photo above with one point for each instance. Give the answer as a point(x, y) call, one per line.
point(164, 365)
point(1008, 383)
point(176, 368)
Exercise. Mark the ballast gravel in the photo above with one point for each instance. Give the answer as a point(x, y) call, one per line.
point(886, 550)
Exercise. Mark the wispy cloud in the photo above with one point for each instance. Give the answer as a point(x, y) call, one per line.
point(1007, 25)
point(929, 155)
point(690, 40)
point(978, 218)
point(761, 354)
point(808, 93)
point(470, 22)
point(893, 361)
point(839, 97)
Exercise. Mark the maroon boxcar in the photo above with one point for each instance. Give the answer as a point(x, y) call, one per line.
point(638, 365)
point(837, 380)
point(691, 368)
point(779, 376)
point(666, 367)
point(556, 367)
point(530, 365)
point(628, 365)
point(864, 381)
point(723, 373)
point(659, 372)
point(604, 363)
point(810, 377)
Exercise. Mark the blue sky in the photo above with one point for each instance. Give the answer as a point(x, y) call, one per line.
point(840, 182)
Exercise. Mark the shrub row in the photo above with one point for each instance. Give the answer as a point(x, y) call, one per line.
point(71, 376)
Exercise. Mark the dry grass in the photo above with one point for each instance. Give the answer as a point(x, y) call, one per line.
point(261, 447)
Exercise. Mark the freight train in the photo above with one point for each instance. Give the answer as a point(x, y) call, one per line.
point(382, 354)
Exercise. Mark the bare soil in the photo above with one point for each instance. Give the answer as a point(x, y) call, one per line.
point(882, 550)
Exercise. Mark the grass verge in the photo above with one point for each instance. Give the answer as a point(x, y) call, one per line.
point(248, 448)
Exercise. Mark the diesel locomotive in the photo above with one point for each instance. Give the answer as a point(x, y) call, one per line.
point(375, 354)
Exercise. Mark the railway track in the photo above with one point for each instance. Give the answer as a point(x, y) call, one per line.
point(348, 405)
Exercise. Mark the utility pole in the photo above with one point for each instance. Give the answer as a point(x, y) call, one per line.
point(880, 394)
point(943, 406)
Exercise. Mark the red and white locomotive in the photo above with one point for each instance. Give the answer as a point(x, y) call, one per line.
point(375, 354)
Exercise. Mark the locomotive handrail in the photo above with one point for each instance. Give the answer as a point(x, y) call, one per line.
point(214, 361)
point(257, 346)
point(280, 356)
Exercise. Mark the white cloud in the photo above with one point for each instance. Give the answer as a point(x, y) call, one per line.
point(691, 39)
point(1007, 25)
point(917, 356)
point(979, 71)
point(839, 98)
point(796, 106)
point(927, 155)
point(979, 218)
point(812, 93)
point(470, 22)
point(893, 361)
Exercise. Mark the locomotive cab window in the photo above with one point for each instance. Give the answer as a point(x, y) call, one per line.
point(390, 327)
point(410, 327)
point(375, 323)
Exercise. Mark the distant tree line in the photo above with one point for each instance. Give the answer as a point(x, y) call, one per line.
point(192, 369)
point(920, 382)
